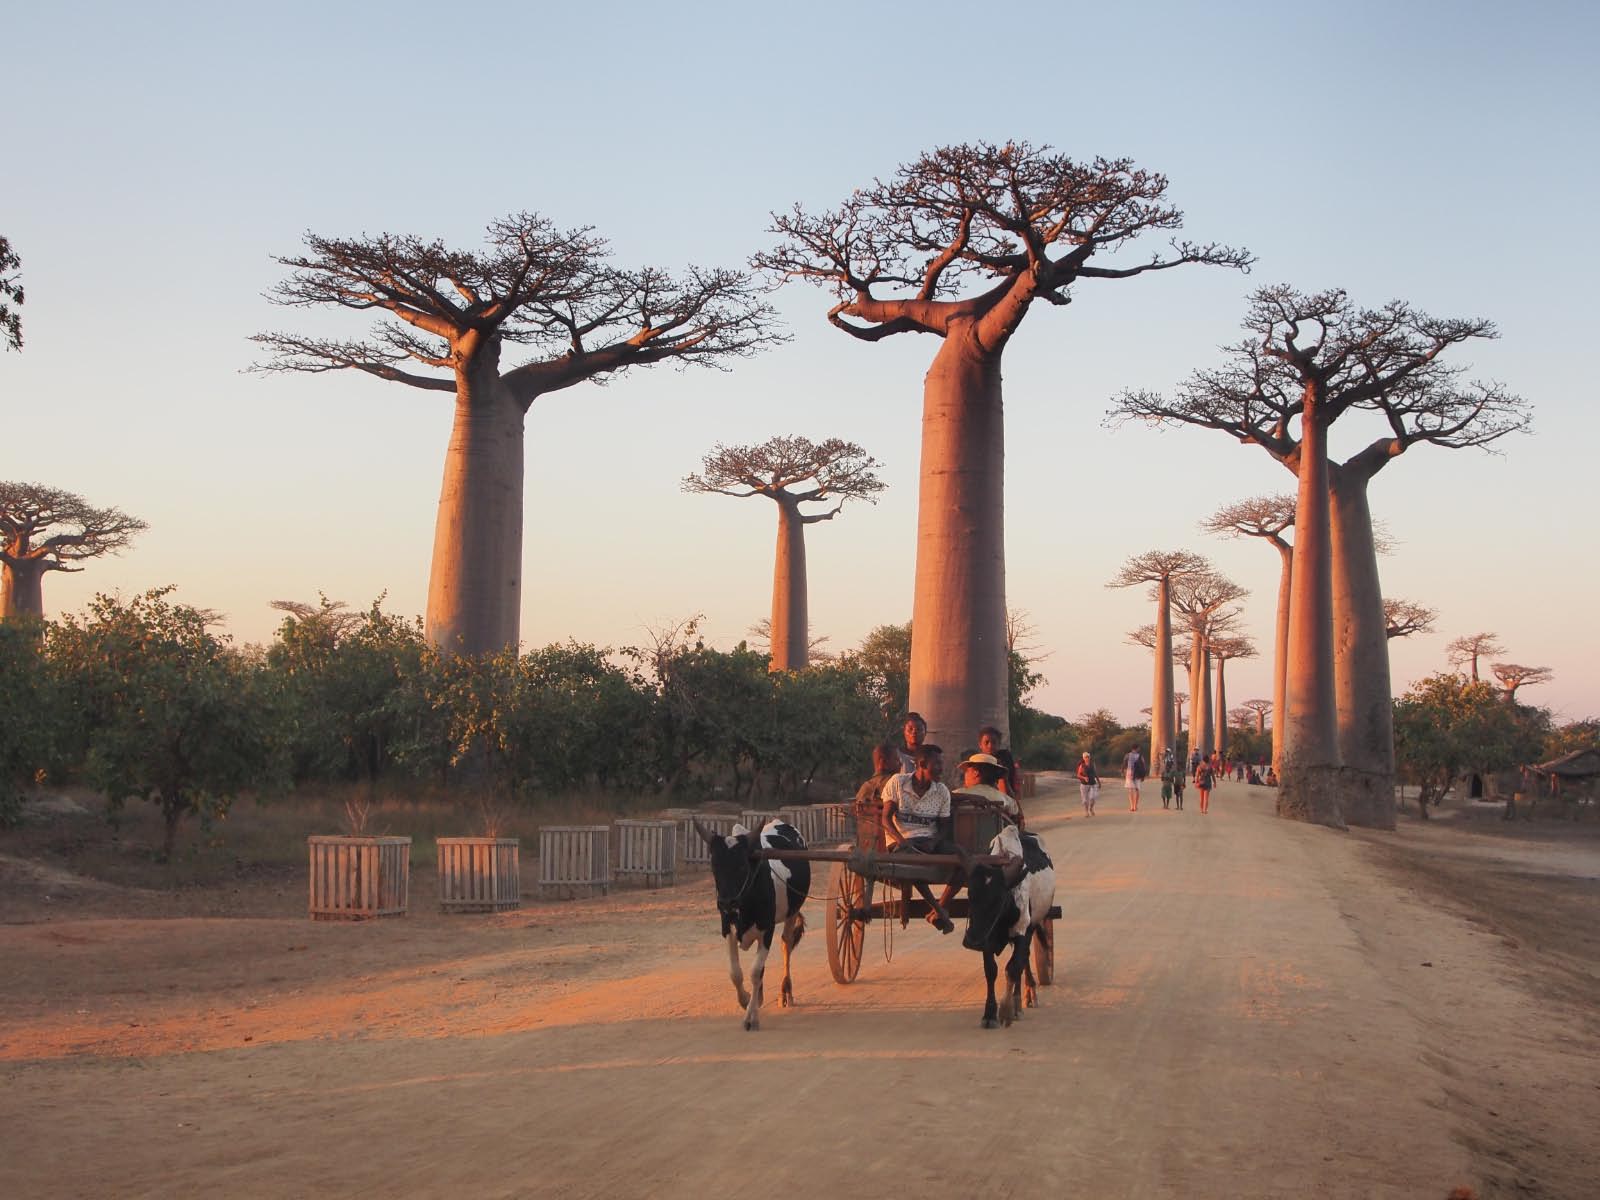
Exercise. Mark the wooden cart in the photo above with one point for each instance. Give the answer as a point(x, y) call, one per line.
point(858, 871)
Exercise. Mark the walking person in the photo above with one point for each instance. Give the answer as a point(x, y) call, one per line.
point(1194, 760)
point(1178, 782)
point(1168, 774)
point(1133, 771)
point(1204, 779)
point(1088, 783)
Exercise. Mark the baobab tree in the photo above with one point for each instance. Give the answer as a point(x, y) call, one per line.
point(1514, 675)
point(11, 296)
point(1178, 700)
point(1202, 598)
point(1470, 648)
point(1309, 359)
point(1223, 650)
point(1259, 709)
point(1267, 518)
point(447, 316)
point(1402, 618)
point(44, 529)
point(960, 244)
point(1157, 568)
point(792, 472)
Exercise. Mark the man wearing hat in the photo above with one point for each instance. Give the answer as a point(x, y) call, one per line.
point(1088, 783)
point(979, 775)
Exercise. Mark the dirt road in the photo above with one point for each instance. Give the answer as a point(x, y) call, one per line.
point(1244, 1008)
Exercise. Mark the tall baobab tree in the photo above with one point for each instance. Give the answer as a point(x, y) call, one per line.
point(1202, 598)
point(792, 472)
point(1259, 709)
point(1402, 618)
point(1470, 648)
point(446, 317)
point(960, 244)
point(11, 296)
point(1157, 568)
point(1309, 359)
point(1267, 518)
point(45, 529)
point(1224, 650)
point(1514, 675)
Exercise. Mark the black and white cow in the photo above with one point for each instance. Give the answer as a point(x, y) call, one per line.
point(755, 897)
point(1005, 906)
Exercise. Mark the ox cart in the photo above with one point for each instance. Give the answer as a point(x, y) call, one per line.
point(859, 870)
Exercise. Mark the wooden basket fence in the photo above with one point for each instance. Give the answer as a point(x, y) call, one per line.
point(573, 857)
point(754, 818)
point(648, 850)
point(354, 878)
point(838, 823)
point(479, 874)
point(695, 852)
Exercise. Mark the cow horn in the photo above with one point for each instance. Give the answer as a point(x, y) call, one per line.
point(710, 838)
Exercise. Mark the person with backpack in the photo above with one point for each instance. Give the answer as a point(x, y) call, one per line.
point(1204, 779)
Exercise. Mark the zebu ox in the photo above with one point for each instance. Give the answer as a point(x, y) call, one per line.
point(755, 897)
point(1005, 906)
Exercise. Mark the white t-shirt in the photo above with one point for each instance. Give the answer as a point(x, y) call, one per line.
point(918, 815)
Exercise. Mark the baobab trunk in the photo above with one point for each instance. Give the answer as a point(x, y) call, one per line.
point(790, 632)
point(1162, 732)
point(1280, 659)
point(1222, 708)
point(1308, 787)
point(1360, 657)
point(1207, 710)
point(958, 615)
point(22, 590)
point(475, 587)
point(1199, 690)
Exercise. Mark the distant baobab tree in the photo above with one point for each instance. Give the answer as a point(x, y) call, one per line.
point(1472, 647)
point(1267, 518)
point(1202, 598)
point(960, 244)
point(1223, 650)
point(45, 529)
point(1514, 675)
point(1402, 618)
point(1178, 699)
point(1260, 709)
point(447, 316)
point(11, 296)
point(791, 471)
point(1157, 568)
point(1309, 358)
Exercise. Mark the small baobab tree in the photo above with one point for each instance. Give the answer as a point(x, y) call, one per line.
point(1258, 710)
point(445, 319)
point(1470, 648)
point(1309, 359)
point(1402, 618)
point(1223, 650)
point(1202, 599)
point(1157, 568)
point(791, 472)
point(11, 296)
point(1267, 518)
point(961, 244)
point(44, 529)
point(1514, 675)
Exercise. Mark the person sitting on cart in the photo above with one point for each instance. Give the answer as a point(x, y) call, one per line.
point(982, 776)
point(869, 796)
point(917, 816)
point(913, 731)
point(989, 740)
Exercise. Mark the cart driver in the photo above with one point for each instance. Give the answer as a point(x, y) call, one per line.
point(917, 816)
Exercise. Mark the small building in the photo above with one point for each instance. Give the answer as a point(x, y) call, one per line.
point(1574, 776)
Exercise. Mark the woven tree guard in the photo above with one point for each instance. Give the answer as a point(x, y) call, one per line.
point(573, 857)
point(648, 850)
point(356, 878)
point(479, 874)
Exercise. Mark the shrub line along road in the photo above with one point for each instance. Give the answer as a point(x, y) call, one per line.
point(1244, 1007)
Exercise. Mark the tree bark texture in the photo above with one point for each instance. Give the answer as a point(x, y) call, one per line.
point(1208, 711)
point(1280, 657)
point(1361, 657)
point(1222, 707)
point(475, 586)
point(1308, 786)
point(790, 623)
point(22, 590)
point(1198, 689)
point(958, 621)
point(1162, 731)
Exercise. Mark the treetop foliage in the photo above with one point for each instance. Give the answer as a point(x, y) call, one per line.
point(1402, 618)
point(836, 469)
point(1155, 565)
point(60, 526)
point(11, 295)
point(534, 284)
point(977, 216)
point(1259, 516)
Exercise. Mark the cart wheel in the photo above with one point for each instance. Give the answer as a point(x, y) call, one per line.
point(1044, 952)
point(847, 895)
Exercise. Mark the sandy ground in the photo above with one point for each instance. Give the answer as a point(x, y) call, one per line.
point(1244, 1007)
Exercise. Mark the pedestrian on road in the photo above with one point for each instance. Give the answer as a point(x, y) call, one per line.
point(1133, 771)
point(1088, 783)
point(1178, 781)
point(1204, 779)
point(1167, 776)
point(1194, 760)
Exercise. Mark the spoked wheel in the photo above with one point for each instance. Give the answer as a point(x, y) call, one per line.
point(1044, 952)
point(847, 898)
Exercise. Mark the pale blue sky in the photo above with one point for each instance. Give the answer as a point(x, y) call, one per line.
point(158, 155)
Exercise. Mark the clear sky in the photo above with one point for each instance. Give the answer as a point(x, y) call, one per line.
point(157, 156)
